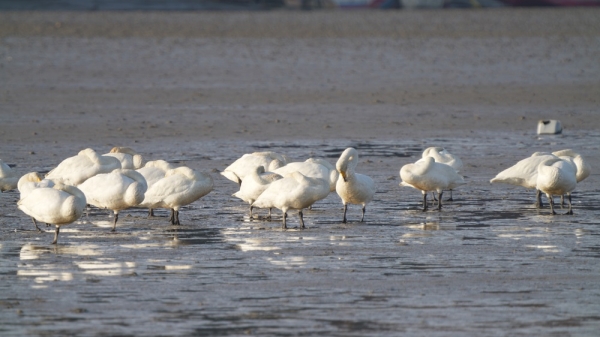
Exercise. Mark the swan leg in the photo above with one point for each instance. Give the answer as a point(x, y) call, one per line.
point(562, 201)
point(433, 197)
point(450, 199)
point(56, 235)
point(251, 207)
point(115, 222)
point(345, 209)
point(424, 201)
point(551, 199)
point(172, 217)
point(176, 222)
point(150, 212)
point(440, 193)
point(364, 208)
point(301, 219)
point(284, 226)
point(269, 217)
point(36, 226)
point(538, 199)
point(570, 211)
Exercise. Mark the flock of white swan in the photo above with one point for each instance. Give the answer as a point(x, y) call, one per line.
point(121, 179)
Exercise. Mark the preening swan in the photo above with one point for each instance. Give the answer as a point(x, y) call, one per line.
point(29, 182)
point(254, 185)
point(250, 161)
point(8, 177)
point(427, 175)
point(441, 155)
point(153, 171)
point(524, 173)
point(556, 177)
point(117, 190)
point(87, 163)
point(58, 205)
point(353, 188)
point(295, 192)
point(180, 186)
point(128, 157)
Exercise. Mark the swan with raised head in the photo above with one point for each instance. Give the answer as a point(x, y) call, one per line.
point(116, 191)
point(8, 177)
point(524, 173)
point(58, 205)
point(556, 177)
point(249, 162)
point(353, 188)
point(127, 156)
point(295, 192)
point(254, 185)
point(427, 175)
point(180, 186)
point(86, 164)
point(29, 182)
point(154, 171)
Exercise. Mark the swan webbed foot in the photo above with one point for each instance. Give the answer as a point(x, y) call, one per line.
point(570, 212)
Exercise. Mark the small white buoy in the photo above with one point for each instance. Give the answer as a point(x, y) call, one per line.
point(549, 127)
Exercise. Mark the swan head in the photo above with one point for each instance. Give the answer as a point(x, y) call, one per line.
point(348, 161)
point(436, 149)
point(122, 149)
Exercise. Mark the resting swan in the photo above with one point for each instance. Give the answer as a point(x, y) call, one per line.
point(440, 155)
point(58, 205)
point(249, 162)
point(295, 192)
point(153, 171)
point(87, 163)
point(29, 182)
point(310, 168)
point(254, 185)
point(353, 188)
point(180, 186)
point(556, 177)
point(427, 175)
point(128, 157)
point(8, 177)
point(117, 190)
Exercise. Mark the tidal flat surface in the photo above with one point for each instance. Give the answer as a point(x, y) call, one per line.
point(488, 264)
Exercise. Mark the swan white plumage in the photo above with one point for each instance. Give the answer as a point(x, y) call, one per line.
point(333, 173)
point(353, 188)
point(179, 187)
point(117, 190)
point(294, 192)
point(128, 157)
point(524, 173)
point(58, 205)
point(249, 162)
point(583, 167)
point(87, 163)
point(29, 182)
point(441, 155)
point(310, 169)
point(254, 185)
point(153, 171)
point(8, 177)
point(427, 175)
point(556, 177)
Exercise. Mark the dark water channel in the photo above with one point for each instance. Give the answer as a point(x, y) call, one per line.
point(488, 264)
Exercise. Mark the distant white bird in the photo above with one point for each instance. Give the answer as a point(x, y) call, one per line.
point(353, 188)
point(250, 161)
point(441, 155)
point(524, 173)
point(180, 186)
point(254, 185)
point(87, 163)
point(556, 177)
point(427, 175)
point(153, 171)
point(117, 190)
point(58, 205)
point(8, 177)
point(128, 157)
point(295, 192)
point(29, 182)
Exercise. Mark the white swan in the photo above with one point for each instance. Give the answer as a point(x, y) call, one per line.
point(441, 155)
point(250, 161)
point(310, 169)
point(128, 157)
point(556, 177)
point(295, 192)
point(59, 205)
point(117, 190)
point(583, 167)
point(153, 171)
point(427, 175)
point(254, 185)
point(180, 186)
point(333, 173)
point(87, 163)
point(524, 173)
point(8, 177)
point(353, 188)
point(29, 182)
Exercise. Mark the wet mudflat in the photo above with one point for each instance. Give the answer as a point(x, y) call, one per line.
point(488, 264)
